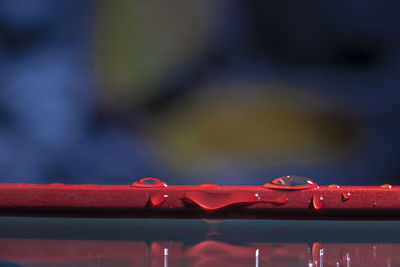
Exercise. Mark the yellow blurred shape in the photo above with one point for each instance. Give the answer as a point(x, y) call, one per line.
point(226, 128)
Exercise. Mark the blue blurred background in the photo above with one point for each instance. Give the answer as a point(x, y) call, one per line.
point(229, 92)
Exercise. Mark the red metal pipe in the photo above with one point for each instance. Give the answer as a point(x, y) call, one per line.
point(285, 197)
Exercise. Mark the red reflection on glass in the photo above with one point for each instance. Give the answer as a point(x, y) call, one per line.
point(35, 252)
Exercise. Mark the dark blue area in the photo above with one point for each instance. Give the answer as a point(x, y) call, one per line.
point(49, 104)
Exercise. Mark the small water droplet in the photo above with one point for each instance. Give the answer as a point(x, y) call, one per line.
point(291, 182)
point(334, 186)
point(157, 200)
point(346, 196)
point(374, 204)
point(149, 182)
point(318, 202)
point(386, 186)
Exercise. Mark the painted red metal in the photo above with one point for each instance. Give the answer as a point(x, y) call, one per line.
point(154, 198)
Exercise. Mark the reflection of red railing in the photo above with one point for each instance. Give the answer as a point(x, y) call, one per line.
point(31, 252)
point(150, 197)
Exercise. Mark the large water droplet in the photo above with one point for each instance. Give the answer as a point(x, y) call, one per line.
point(346, 196)
point(217, 200)
point(386, 186)
point(334, 186)
point(318, 202)
point(149, 182)
point(157, 200)
point(291, 182)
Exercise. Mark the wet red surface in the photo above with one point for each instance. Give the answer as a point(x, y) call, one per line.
point(210, 200)
point(286, 197)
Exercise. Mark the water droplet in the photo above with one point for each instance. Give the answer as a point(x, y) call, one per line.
point(386, 186)
point(291, 182)
point(318, 202)
point(157, 200)
point(334, 186)
point(346, 196)
point(211, 186)
point(374, 204)
point(149, 182)
point(217, 200)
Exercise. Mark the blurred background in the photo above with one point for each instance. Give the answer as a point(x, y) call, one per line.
point(191, 92)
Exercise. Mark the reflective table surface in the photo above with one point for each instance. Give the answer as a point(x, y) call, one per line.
point(167, 242)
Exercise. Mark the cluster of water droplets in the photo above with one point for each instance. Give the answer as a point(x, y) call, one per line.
point(216, 199)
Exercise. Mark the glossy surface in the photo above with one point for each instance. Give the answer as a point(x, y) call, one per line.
point(288, 197)
point(34, 252)
point(200, 201)
point(145, 242)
